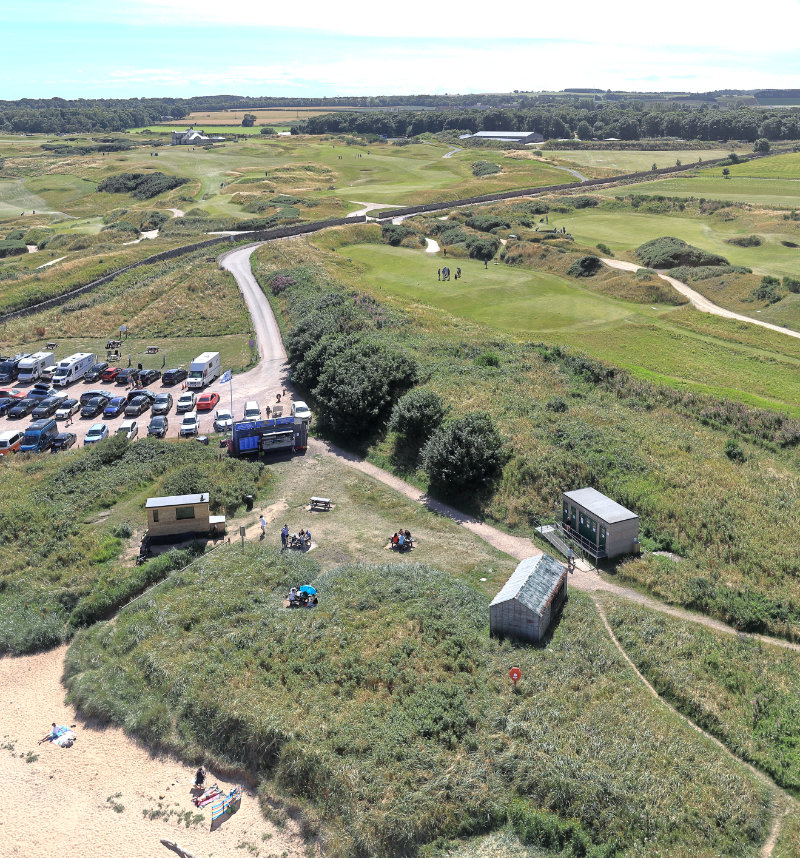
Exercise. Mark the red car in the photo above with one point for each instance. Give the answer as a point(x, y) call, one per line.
point(207, 401)
point(13, 393)
point(111, 373)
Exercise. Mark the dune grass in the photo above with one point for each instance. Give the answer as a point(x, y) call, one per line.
point(387, 711)
point(744, 692)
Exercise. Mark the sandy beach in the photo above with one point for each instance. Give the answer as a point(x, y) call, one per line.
point(97, 797)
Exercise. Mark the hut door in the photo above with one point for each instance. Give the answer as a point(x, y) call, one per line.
point(565, 517)
point(574, 518)
point(602, 537)
point(593, 526)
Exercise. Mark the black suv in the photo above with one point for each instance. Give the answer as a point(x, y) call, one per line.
point(138, 405)
point(148, 376)
point(94, 372)
point(47, 407)
point(174, 376)
point(95, 406)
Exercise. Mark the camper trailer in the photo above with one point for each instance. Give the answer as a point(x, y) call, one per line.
point(72, 368)
point(203, 370)
point(32, 368)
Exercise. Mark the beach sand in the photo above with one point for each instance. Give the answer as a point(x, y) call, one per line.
point(63, 803)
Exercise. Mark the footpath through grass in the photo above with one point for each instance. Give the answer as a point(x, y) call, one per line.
point(387, 712)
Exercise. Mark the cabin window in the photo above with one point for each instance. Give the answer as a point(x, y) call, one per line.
point(183, 512)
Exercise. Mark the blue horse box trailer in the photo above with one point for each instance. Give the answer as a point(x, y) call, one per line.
point(264, 436)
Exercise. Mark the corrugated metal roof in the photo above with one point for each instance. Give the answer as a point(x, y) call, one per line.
point(598, 504)
point(176, 500)
point(509, 134)
point(533, 582)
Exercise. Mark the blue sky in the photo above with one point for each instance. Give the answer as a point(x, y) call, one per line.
point(125, 48)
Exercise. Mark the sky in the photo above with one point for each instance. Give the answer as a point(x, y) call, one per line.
point(180, 48)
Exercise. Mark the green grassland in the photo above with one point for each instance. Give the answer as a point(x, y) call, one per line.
point(654, 450)
point(781, 167)
point(653, 342)
point(388, 714)
point(712, 185)
point(744, 692)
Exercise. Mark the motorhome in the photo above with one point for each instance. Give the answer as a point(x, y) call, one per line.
point(31, 368)
point(203, 370)
point(9, 368)
point(72, 368)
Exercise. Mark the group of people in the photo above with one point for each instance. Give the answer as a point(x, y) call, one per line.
point(401, 540)
point(302, 540)
point(300, 598)
point(444, 273)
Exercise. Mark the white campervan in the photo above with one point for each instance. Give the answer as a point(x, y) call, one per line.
point(32, 368)
point(203, 370)
point(72, 368)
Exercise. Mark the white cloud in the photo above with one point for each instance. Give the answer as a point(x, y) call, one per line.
point(682, 22)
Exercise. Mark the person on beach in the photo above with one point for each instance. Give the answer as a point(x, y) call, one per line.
point(200, 777)
point(53, 734)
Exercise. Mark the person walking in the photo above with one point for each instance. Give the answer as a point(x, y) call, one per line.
point(284, 536)
point(263, 526)
point(570, 560)
point(439, 274)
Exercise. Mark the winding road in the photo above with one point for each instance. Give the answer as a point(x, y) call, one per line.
point(700, 302)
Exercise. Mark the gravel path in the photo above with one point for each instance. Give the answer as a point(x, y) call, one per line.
point(452, 152)
point(177, 212)
point(579, 176)
point(700, 302)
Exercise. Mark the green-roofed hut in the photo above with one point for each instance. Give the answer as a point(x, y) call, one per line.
point(530, 600)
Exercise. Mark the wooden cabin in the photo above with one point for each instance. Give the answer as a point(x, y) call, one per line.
point(530, 600)
point(180, 517)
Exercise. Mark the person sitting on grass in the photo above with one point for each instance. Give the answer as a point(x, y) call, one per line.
point(394, 539)
point(307, 539)
point(401, 540)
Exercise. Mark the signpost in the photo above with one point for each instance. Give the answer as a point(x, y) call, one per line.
point(515, 673)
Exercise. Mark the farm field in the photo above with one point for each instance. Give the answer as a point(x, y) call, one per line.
point(631, 161)
point(653, 343)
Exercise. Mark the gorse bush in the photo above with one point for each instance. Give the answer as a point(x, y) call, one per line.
point(417, 414)
point(464, 454)
point(586, 266)
point(669, 252)
point(141, 186)
point(485, 168)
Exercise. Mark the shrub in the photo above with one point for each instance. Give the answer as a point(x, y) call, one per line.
point(142, 186)
point(417, 414)
point(15, 235)
point(487, 223)
point(482, 248)
point(465, 454)
point(487, 359)
point(791, 284)
point(604, 248)
point(358, 386)
point(557, 404)
point(586, 266)
point(584, 202)
point(761, 145)
point(767, 290)
point(746, 241)
point(670, 252)
point(394, 233)
point(733, 451)
point(484, 168)
point(12, 248)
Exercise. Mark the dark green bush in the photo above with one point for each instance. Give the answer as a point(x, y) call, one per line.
point(464, 454)
point(487, 359)
point(482, 248)
point(141, 186)
point(394, 233)
point(417, 414)
point(768, 290)
point(12, 248)
point(487, 223)
point(586, 266)
point(746, 241)
point(670, 252)
point(484, 168)
point(791, 284)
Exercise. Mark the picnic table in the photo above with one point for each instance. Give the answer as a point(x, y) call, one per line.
point(321, 504)
point(152, 350)
point(51, 346)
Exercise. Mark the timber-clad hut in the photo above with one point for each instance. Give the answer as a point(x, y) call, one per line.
point(530, 599)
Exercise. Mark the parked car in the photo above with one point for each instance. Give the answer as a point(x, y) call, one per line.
point(148, 376)
point(94, 406)
point(13, 393)
point(95, 373)
point(252, 410)
point(162, 404)
point(148, 394)
point(186, 402)
point(174, 376)
point(67, 408)
point(97, 433)
point(10, 442)
point(91, 394)
point(115, 407)
point(301, 411)
point(47, 373)
point(126, 376)
point(23, 408)
point(128, 428)
point(223, 421)
point(5, 403)
point(41, 390)
point(39, 436)
point(46, 408)
point(138, 405)
point(158, 426)
point(206, 401)
point(111, 373)
point(63, 441)
point(189, 425)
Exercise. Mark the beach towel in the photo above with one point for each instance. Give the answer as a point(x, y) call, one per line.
point(209, 795)
point(64, 737)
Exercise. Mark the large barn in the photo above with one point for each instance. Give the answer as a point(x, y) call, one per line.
point(530, 600)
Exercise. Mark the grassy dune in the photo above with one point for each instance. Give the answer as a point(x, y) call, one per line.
point(388, 714)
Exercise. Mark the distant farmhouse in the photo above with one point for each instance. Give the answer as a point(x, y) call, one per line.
point(193, 137)
point(508, 136)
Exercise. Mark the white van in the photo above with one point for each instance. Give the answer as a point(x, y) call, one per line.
point(32, 368)
point(252, 411)
point(301, 411)
point(189, 424)
point(203, 370)
point(72, 368)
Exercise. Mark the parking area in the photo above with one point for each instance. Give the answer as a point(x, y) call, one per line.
point(80, 426)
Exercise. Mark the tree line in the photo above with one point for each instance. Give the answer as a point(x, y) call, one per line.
point(625, 122)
